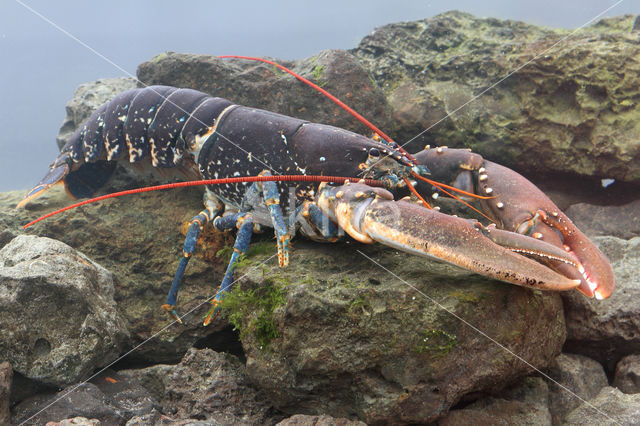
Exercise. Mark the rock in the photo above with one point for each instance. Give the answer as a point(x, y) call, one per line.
point(352, 341)
point(205, 385)
point(524, 403)
point(76, 421)
point(606, 330)
point(141, 244)
point(6, 376)
point(108, 398)
point(59, 317)
point(627, 377)
point(609, 407)
point(87, 98)
point(324, 420)
point(555, 114)
point(617, 221)
point(263, 86)
point(576, 378)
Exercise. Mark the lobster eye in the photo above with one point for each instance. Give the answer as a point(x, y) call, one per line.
point(373, 152)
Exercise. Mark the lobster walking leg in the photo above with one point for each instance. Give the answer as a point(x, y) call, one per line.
point(213, 209)
point(267, 193)
point(244, 222)
point(272, 201)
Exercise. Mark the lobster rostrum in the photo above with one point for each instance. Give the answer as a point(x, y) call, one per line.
point(201, 136)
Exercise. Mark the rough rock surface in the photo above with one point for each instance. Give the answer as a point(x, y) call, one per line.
point(606, 330)
point(580, 378)
point(44, 282)
point(108, 398)
point(263, 86)
point(88, 97)
point(205, 384)
point(142, 245)
point(522, 404)
point(353, 341)
point(324, 420)
point(571, 106)
point(613, 408)
point(6, 376)
point(627, 377)
point(616, 221)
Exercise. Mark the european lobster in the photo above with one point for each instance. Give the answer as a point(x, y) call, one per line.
point(210, 137)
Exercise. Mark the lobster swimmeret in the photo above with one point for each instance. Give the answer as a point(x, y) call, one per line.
point(207, 137)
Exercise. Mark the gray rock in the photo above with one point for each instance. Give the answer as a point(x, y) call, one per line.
point(87, 98)
point(323, 420)
point(627, 377)
point(617, 221)
point(205, 385)
point(606, 330)
point(59, 317)
point(141, 244)
point(353, 341)
point(6, 376)
point(609, 407)
point(553, 115)
point(76, 421)
point(575, 378)
point(109, 398)
point(521, 404)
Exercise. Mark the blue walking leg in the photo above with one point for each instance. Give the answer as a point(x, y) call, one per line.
point(244, 222)
point(272, 201)
point(213, 208)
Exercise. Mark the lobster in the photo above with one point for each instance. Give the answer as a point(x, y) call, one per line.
point(531, 243)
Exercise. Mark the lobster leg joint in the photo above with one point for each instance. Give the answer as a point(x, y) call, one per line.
point(239, 248)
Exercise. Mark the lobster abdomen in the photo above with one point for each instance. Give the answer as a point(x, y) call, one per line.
point(167, 127)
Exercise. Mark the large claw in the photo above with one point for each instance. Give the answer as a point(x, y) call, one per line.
point(519, 206)
point(370, 214)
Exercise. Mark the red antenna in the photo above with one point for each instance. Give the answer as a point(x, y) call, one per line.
point(344, 106)
point(244, 179)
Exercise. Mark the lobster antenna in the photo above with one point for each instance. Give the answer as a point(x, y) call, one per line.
point(367, 123)
point(451, 188)
point(244, 179)
point(344, 106)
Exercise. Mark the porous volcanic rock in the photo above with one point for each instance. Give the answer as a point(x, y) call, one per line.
point(575, 378)
point(627, 377)
point(138, 239)
point(336, 334)
point(607, 330)
point(524, 403)
point(205, 384)
point(59, 319)
point(609, 407)
point(571, 106)
point(107, 399)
